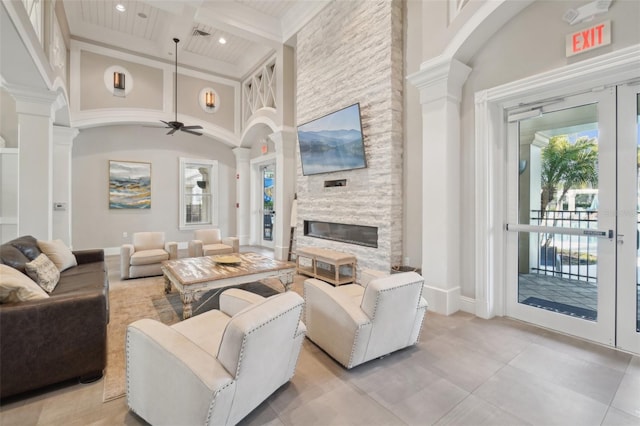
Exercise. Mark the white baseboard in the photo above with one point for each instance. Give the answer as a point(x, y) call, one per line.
point(441, 301)
point(468, 304)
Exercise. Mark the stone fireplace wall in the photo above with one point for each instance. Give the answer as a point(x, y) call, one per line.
point(352, 52)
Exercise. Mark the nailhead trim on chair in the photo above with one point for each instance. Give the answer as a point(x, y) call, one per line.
point(244, 339)
point(375, 310)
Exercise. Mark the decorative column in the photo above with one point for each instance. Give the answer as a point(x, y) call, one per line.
point(440, 83)
point(35, 110)
point(62, 145)
point(285, 143)
point(243, 194)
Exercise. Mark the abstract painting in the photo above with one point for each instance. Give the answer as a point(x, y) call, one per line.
point(129, 185)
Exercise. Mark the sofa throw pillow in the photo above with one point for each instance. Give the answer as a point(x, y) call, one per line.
point(17, 287)
point(44, 272)
point(58, 253)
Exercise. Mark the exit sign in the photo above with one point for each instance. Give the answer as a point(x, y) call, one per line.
point(595, 36)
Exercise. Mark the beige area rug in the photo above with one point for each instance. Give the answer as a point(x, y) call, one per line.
point(135, 299)
point(130, 301)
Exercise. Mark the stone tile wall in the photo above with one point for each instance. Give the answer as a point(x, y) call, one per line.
point(352, 52)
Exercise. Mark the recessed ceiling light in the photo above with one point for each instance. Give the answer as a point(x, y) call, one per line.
point(120, 7)
point(222, 40)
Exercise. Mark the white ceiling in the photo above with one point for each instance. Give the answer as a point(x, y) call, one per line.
point(252, 28)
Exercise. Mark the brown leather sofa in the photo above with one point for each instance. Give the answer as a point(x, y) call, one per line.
point(63, 337)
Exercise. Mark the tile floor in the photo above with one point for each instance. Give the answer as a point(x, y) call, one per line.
point(464, 371)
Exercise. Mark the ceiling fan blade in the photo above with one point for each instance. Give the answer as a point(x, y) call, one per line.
point(184, 129)
point(172, 131)
point(192, 127)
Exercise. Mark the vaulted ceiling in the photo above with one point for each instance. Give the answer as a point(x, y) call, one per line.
point(252, 29)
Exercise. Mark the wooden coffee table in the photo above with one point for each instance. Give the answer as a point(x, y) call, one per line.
point(194, 276)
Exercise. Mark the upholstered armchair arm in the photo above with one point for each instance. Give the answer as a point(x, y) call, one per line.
point(126, 251)
point(334, 321)
point(170, 379)
point(195, 248)
point(233, 242)
point(172, 249)
point(234, 300)
point(370, 274)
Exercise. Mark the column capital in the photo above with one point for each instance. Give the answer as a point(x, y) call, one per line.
point(440, 78)
point(64, 135)
point(40, 102)
point(242, 154)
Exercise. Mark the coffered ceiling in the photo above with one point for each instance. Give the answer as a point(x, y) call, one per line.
point(252, 29)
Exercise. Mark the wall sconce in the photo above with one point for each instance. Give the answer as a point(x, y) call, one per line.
point(209, 100)
point(118, 83)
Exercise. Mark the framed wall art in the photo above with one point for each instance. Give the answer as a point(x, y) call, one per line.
point(129, 185)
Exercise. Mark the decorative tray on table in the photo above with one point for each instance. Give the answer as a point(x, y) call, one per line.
point(226, 259)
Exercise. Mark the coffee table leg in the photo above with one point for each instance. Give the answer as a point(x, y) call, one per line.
point(167, 285)
point(187, 300)
point(286, 280)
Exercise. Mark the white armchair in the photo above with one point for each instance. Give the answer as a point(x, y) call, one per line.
point(144, 256)
point(209, 242)
point(355, 324)
point(216, 367)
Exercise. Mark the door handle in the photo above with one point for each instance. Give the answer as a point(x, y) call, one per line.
point(620, 238)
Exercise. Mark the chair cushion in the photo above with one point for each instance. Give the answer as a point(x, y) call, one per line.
point(44, 272)
point(352, 291)
point(17, 287)
point(208, 236)
point(211, 249)
point(148, 240)
point(205, 329)
point(59, 253)
point(147, 257)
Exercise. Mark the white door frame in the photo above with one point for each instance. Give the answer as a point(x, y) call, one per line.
point(490, 165)
point(256, 197)
point(627, 337)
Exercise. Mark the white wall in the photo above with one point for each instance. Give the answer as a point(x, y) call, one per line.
point(96, 226)
point(8, 119)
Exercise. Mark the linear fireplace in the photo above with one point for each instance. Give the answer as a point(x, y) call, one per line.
point(353, 234)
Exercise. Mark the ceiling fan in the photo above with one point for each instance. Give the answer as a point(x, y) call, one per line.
point(176, 125)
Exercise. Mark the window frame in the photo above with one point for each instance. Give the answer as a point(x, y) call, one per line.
point(212, 165)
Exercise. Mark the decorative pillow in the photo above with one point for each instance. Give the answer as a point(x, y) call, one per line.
point(17, 287)
point(58, 253)
point(44, 272)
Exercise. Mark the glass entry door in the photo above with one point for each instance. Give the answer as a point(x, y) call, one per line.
point(566, 208)
point(268, 176)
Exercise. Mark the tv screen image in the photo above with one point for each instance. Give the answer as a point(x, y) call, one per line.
point(333, 142)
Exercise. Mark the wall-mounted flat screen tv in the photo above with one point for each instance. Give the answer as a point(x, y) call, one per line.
point(332, 143)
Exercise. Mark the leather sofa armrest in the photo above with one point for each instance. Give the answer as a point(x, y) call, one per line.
point(71, 329)
point(233, 242)
point(126, 251)
point(195, 248)
point(172, 249)
point(234, 300)
point(89, 256)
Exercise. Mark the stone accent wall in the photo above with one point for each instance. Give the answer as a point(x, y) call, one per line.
point(352, 52)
